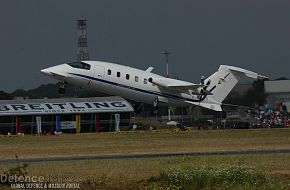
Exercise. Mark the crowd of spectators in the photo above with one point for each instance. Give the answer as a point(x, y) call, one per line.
point(267, 117)
point(259, 117)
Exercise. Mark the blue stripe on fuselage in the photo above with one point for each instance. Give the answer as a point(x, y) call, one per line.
point(227, 75)
point(141, 90)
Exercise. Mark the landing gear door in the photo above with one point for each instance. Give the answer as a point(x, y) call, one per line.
point(99, 72)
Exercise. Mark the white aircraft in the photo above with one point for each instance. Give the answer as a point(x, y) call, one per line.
point(146, 87)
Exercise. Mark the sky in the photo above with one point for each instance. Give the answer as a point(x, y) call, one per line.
point(200, 34)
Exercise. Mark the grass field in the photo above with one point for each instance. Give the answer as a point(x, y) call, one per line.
point(141, 173)
point(147, 142)
point(137, 173)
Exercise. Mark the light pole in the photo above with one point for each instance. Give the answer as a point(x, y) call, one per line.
point(166, 53)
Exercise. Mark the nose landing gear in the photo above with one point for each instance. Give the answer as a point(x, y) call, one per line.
point(61, 89)
point(155, 109)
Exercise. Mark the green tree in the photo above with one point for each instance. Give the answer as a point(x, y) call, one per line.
point(5, 96)
point(255, 95)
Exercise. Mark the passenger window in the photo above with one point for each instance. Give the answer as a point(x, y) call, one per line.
point(136, 78)
point(118, 74)
point(150, 80)
point(127, 76)
point(109, 72)
point(145, 81)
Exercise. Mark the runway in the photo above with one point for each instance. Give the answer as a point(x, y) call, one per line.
point(145, 155)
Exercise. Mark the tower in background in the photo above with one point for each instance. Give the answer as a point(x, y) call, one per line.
point(83, 52)
point(166, 53)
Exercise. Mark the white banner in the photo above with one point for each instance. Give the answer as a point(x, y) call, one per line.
point(117, 122)
point(68, 125)
point(38, 125)
point(64, 108)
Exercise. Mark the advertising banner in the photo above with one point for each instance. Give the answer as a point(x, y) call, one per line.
point(64, 108)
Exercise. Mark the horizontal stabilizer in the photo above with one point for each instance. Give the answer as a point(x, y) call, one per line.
point(247, 73)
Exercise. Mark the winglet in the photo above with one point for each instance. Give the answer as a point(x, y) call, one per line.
point(149, 69)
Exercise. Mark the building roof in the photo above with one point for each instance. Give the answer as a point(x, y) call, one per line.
point(277, 86)
point(64, 106)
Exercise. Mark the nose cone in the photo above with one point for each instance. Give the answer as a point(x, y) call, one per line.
point(46, 71)
point(57, 72)
point(50, 71)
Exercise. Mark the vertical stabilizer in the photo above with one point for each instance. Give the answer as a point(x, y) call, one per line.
point(225, 79)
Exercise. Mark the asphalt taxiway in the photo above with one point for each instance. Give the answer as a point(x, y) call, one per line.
point(145, 155)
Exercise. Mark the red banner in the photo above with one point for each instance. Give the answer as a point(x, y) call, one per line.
point(98, 129)
point(18, 125)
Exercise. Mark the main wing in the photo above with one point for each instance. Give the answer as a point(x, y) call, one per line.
point(177, 85)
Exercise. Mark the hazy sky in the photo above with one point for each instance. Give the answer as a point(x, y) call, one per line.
point(201, 34)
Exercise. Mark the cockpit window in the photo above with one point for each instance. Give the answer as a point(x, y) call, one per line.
point(80, 65)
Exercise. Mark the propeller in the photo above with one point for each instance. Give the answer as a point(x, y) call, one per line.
point(203, 91)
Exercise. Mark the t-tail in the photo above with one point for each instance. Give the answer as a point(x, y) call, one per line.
point(222, 82)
